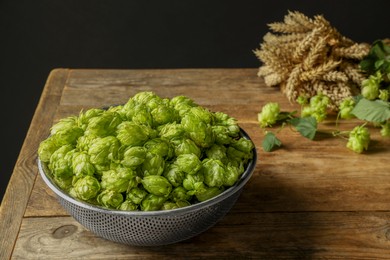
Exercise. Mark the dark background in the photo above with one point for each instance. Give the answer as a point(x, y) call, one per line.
point(38, 36)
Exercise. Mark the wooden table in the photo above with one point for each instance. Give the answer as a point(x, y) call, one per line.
point(310, 199)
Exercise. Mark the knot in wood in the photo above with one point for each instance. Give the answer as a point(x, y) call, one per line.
point(64, 231)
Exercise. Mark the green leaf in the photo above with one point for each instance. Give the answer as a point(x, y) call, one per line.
point(283, 116)
point(378, 50)
point(367, 64)
point(379, 63)
point(306, 126)
point(374, 111)
point(270, 141)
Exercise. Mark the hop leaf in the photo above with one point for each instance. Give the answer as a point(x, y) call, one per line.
point(374, 111)
point(306, 126)
point(270, 141)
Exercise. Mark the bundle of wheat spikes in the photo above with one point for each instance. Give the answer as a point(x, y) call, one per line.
point(305, 56)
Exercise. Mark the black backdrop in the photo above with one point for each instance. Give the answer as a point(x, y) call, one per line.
point(37, 36)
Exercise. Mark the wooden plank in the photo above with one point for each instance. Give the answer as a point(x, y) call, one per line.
point(43, 207)
point(305, 235)
point(238, 91)
point(21, 183)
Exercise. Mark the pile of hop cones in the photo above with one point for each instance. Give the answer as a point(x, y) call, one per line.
point(305, 56)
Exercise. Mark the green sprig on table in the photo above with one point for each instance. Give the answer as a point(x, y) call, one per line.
point(371, 107)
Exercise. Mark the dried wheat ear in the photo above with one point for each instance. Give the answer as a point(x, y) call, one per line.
point(305, 56)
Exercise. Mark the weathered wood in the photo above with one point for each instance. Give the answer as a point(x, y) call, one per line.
point(309, 199)
point(47, 207)
point(22, 180)
point(304, 235)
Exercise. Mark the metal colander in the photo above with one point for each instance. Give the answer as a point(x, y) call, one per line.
point(151, 228)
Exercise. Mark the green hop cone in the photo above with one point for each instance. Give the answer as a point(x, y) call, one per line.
point(136, 195)
point(217, 152)
point(86, 116)
point(346, 107)
point(128, 205)
point(169, 205)
point(198, 130)
point(104, 150)
point(82, 165)
point(385, 130)
point(370, 86)
point(317, 107)
point(86, 188)
point(64, 183)
point(63, 124)
point(84, 142)
point(236, 156)
point(154, 164)
point(180, 194)
point(148, 98)
point(170, 131)
point(243, 145)
point(174, 175)
point(222, 134)
point(202, 114)
point(384, 94)
point(163, 114)
point(46, 148)
point(134, 156)
point(269, 114)
point(185, 146)
point(182, 104)
point(110, 199)
point(117, 179)
point(203, 193)
point(152, 202)
point(160, 146)
point(60, 162)
point(191, 180)
point(131, 134)
point(66, 131)
point(188, 163)
point(302, 100)
point(214, 172)
point(359, 139)
point(68, 135)
point(230, 123)
point(103, 125)
point(232, 174)
point(141, 115)
point(157, 185)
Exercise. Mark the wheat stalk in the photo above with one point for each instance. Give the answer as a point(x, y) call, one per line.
point(304, 56)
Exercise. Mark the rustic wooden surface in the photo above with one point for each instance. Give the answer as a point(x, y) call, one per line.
point(307, 200)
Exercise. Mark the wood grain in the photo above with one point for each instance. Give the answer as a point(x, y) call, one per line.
point(308, 199)
point(303, 235)
point(21, 183)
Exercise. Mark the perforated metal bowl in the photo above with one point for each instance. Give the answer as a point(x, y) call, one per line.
point(151, 228)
